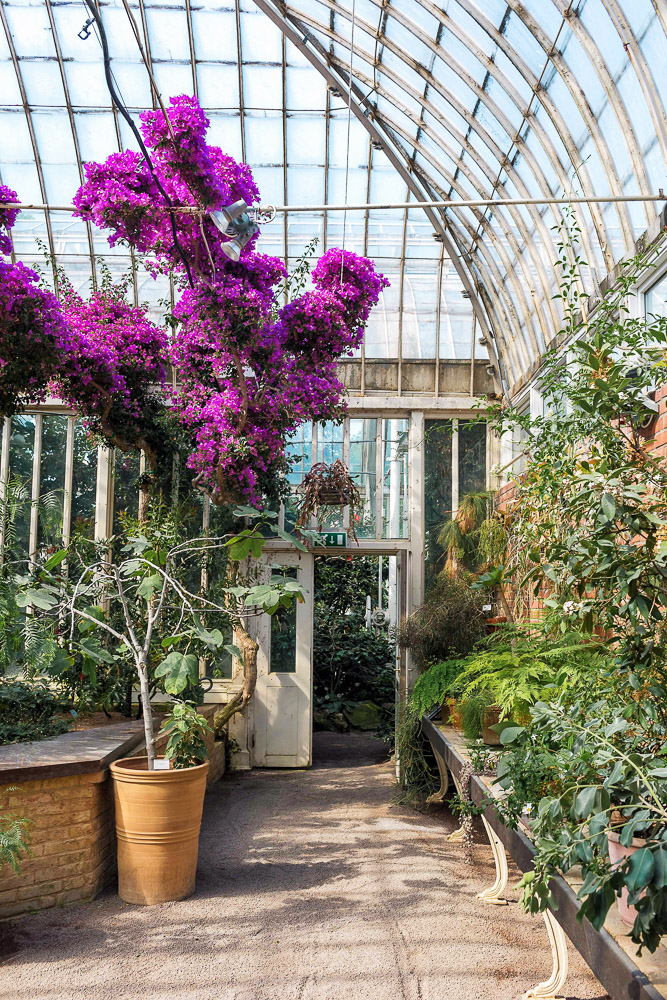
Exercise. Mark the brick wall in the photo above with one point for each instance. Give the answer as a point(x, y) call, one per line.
point(72, 842)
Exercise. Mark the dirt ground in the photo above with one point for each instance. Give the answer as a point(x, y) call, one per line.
point(312, 885)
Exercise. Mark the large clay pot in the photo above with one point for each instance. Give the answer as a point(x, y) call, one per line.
point(456, 716)
point(158, 816)
point(617, 854)
point(490, 717)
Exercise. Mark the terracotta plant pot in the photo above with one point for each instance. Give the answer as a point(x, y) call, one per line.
point(492, 624)
point(456, 716)
point(158, 816)
point(490, 717)
point(445, 713)
point(617, 854)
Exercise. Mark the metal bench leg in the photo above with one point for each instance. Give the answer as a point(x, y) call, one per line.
point(550, 990)
point(494, 893)
point(458, 835)
point(438, 797)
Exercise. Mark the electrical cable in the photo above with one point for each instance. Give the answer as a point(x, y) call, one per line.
point(347, 151)
point(115, 97)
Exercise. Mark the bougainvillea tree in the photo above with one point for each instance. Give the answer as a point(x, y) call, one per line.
point(249, 370)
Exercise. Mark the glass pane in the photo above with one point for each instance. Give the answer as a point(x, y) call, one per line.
point(52, 480)
point(125, 490)
point(655, 300)
point(437, 491)
point(395, 482)
point(472, 457)
point(363, 466)
point(84, 482)
point(283, 633)
point(21, 449)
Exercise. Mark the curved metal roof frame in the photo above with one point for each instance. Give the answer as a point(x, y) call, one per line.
point(467, 99)
point(503, 255)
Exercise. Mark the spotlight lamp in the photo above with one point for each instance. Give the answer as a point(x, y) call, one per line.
point(234, 221)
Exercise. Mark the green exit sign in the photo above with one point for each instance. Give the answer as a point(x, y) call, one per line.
point(334, 539)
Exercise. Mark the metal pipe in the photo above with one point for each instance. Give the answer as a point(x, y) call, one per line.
point(384, 206)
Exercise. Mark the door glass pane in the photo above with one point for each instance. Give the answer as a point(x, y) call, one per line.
point(437, 491)
point(52, 480)
point(283, 632)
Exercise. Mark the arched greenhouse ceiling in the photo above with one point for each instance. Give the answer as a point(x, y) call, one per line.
point(457, 100)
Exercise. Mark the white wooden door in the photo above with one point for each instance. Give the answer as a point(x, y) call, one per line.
point(284, 693)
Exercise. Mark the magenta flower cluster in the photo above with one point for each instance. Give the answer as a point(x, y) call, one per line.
point(114, 365)
point(7, 217)
point(33, 337)
point(249, 369)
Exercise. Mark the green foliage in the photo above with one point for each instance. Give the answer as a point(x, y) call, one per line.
point(14, 840)
point(520, 666)
point(475, 536)
point(186, 746)
point(435, 684)
point(588, 771)
point(448, 624)
point(590, 524)
point(29, 711)
point(417, 777)
point(351, 664)
point(473, 708)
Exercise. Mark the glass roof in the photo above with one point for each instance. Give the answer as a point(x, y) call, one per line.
point(465, 99)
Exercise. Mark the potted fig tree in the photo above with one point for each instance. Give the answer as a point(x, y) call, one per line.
point(159, 800)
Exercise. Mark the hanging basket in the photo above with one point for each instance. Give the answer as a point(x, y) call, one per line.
point(326, 487)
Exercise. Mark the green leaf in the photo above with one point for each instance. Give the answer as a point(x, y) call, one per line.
point(234, 650)
point(178, 669)
point(287, 537)
point(92, 648)
point(510, 734)
point(640, 869)
point(148, 586)
point(56, 559)
point(585, 801)
point(608, 505)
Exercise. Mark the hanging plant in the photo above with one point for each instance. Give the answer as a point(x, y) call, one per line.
point(327, 486)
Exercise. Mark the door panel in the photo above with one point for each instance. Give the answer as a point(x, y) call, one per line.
point(283, 698)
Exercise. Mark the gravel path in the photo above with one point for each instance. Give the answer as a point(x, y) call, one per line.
point(312, 885)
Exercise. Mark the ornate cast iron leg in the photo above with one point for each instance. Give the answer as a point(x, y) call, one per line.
point(458, 835)
point(438, 797)
point(550, 990)
point(494, 893)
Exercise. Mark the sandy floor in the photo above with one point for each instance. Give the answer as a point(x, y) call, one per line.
point(311, 886)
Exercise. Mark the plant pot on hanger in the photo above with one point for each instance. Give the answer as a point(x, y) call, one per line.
point(617, 854)
point(158, 817)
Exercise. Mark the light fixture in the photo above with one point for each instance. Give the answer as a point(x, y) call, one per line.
point(233, 220)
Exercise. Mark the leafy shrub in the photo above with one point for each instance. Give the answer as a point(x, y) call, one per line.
point(520, 666)
point(29, 710)
point(434, 685)
point(417, 766)
point(186, 746)
point(448, 624)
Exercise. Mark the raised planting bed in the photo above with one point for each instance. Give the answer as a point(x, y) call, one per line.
point(609, 953)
